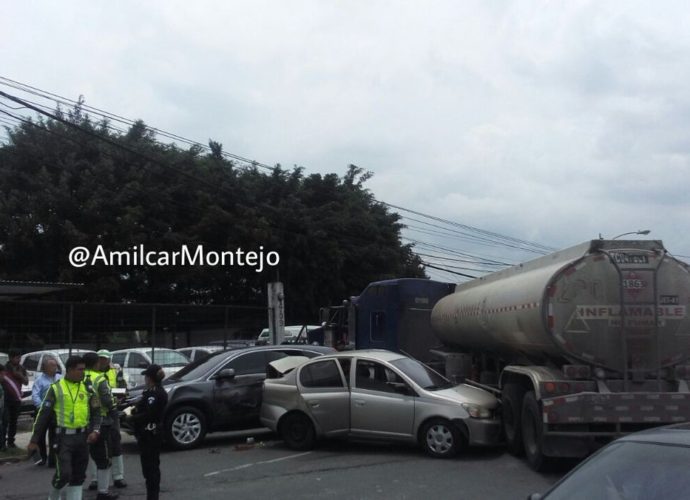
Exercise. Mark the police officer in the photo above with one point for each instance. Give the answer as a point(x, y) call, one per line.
point(115, 380)
point(147, 420)
point(77, 414)
point(101, 450)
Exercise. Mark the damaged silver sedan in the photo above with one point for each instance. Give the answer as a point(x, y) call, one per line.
point(376, 394)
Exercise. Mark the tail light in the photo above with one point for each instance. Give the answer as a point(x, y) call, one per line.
point(577, 371)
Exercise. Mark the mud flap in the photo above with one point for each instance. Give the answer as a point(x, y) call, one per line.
point(566, 446)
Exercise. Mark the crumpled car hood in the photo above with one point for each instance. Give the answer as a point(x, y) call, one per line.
point(467, 394)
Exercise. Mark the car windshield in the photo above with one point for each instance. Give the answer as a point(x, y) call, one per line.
point(421, 374)
point(196, 369)
point(629, 471)
point(165, 357)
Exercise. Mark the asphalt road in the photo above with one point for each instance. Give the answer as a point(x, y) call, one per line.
point(225, 466)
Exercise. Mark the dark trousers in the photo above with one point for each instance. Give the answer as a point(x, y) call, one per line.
point(12, 414)
point(101, 450)
point(72, 460)
point(150, 453)
point(3, 425)
point(47, 453)
point(115, 441)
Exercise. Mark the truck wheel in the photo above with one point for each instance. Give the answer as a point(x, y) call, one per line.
point(298, 432)
point(532, 432)
point(185, 427)
point(511, 398)
point(440, 438)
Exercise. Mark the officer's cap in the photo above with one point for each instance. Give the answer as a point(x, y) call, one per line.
point(104, 353)
point(155, 372)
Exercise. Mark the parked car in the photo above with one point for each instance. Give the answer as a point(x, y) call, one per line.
point(198, 352)
point(291, 333)
point(33, 363)
point(380, 395)
point(646, 465)
point(136, 359)
point(220, 392)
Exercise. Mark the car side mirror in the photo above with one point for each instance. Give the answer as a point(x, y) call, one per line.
point(143, 365)
point(228, 373)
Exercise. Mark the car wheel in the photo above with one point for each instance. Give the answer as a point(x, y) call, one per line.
point(511, 399)
point(440, 438)
point(185, 427)
point(532, 432)
point(298, 432)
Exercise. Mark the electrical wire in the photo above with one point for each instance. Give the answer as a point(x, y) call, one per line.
point(482, 237)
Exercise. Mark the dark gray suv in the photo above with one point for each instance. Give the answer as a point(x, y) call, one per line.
point(221, 392)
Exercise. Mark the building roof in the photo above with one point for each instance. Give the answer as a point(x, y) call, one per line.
point(12, 290)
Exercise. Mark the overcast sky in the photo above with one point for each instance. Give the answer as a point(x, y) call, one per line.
point(548, 121)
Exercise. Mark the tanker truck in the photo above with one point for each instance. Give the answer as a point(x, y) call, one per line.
point(582, 345)
point(588, 343)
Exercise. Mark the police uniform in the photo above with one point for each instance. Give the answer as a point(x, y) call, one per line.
point(147, 420)
point(115, 379)
point(101, 450)
point(77, 414)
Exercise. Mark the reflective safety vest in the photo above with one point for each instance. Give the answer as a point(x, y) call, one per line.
point(71, 404)
point(111, 375)
point(93, 379)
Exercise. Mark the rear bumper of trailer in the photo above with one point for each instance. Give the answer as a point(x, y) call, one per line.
point(612, 414)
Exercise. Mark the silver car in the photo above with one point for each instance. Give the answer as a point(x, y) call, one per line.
point(380, 395)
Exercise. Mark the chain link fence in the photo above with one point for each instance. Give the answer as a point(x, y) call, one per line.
point(38, 325)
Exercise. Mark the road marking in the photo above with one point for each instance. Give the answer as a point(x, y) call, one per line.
point(284, 458)
point(246, 466)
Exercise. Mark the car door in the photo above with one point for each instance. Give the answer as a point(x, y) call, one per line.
point(31, 364)
point(134, 366)
point(324, 390)
point(382, 404)
point(237, 400)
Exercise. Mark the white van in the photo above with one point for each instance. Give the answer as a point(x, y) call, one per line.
point(136, 359)
point(291, 333)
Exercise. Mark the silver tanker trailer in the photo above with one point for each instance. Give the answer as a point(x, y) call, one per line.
point(589, 343)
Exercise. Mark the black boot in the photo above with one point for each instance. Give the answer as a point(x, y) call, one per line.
point(107, 496)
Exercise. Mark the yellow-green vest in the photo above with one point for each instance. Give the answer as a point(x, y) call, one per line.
point(95, 379)
point(71, 404)
point(111, 375)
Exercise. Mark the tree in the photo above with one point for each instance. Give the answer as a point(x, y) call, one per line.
point(64, 188)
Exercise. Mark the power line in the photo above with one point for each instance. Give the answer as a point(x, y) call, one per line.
point(482, 237)
point(142, 155)
point(449, 271)
point(509, 240)
point(467, 261)
point(128, 121)
point(487, 236)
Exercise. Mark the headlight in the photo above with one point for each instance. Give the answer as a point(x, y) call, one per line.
point(476, 411)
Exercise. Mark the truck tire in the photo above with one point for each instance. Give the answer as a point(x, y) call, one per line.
point(532, 432)
point(440, 438)
point(511, 398)
point(298, 432)
point(185, 428)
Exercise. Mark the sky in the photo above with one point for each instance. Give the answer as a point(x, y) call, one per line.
point(553, 122)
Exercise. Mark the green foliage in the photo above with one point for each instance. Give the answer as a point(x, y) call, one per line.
point(62, 188)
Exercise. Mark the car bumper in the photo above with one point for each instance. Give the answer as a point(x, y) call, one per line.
point(269, 416)
point(482, 432)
